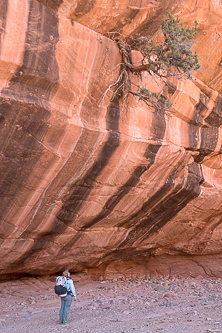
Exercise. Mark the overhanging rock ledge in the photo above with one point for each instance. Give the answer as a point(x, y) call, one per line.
point(86, 186)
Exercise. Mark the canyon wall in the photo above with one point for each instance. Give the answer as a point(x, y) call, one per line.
point(87, 185)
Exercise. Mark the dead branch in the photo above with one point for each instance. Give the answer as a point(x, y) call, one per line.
point(158, 60)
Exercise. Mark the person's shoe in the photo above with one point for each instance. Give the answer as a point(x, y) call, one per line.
point(66, 323)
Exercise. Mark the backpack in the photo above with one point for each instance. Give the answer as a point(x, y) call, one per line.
point(60, 287)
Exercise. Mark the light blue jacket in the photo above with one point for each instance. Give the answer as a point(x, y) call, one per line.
point(70, 287)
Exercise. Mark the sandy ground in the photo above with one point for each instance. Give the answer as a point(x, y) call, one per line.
point(149, 305)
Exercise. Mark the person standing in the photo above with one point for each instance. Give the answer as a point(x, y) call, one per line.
point(67, 300)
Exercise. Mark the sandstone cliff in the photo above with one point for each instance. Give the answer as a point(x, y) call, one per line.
point(86, 186)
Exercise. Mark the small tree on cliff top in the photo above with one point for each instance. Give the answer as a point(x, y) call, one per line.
point(172, 57)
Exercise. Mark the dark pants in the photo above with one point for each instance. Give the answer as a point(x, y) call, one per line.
point(64, 311)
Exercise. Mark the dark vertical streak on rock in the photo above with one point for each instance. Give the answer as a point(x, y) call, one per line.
point(158, 130)
point(83, 187)
point(155, 199)
point(71, 168)
point(24, 105)
point(3, 15)
point(202, 107)
point(32, 87)
point(111, 203)
point(25, 116)
point(81, 190)
point(215, 117)
point(209, 139)
point(37, 79)
point(208, 133)
point(193, 132)
point(20, 148)
point(160, 212)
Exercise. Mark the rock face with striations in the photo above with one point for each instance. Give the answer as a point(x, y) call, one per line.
point(86, 186)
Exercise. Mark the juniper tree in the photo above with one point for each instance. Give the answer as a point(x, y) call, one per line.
point(172, 57)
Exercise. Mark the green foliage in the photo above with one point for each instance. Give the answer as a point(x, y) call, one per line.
point(174, 51)
point(172, 57)
point(153, 99)
point(176, 48)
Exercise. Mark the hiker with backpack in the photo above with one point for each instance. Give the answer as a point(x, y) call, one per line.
point(66, 290)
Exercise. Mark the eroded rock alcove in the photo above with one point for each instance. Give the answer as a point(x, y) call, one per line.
point(85, 185)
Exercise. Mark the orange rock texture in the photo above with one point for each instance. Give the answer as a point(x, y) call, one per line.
point(88, 186)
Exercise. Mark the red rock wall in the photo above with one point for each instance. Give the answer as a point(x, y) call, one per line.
point(86, 185)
